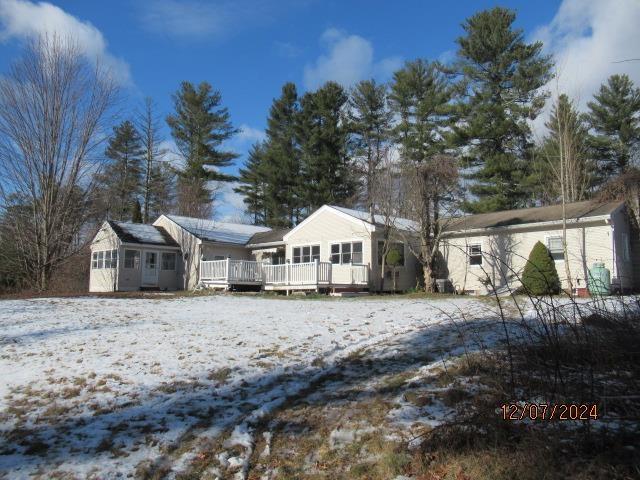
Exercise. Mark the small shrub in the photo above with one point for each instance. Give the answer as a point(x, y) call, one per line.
point(540, 276)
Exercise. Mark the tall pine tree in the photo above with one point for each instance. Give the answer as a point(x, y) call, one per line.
point(119, 182)
point(199, 126)
point(614, 115)
point(564, 156)
point(323, 136)
point(503, 75)
point(253, 184)
point(370, 121)
point(281, 165)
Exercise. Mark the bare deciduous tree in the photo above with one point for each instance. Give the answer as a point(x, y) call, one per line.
point(430, 188)
point(148, 125)
point(385, 198)
point(53, 104)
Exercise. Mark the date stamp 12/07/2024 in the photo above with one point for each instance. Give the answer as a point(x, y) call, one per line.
point(549, 411)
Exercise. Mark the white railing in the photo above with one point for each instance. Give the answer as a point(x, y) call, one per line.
point(309, 273)
point(213, 270)
point(244, 271)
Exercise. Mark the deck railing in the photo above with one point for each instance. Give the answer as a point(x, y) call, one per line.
point(309, 273)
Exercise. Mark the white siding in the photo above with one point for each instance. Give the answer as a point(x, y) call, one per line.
point(505, 253)
point(328, 227)
point(104, 279)
point(190, 252)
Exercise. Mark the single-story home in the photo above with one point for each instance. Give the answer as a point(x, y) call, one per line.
point(339, 249)
point(133, 256)
point(490, 250)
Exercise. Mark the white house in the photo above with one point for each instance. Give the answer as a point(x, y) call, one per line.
point(490, 250)
point(133, 256)
point(339, 249)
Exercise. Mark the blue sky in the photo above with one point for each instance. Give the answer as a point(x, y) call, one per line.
point(248, 48)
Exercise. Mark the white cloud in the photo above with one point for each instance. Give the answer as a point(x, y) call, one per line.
point(24, 20)
point(586, 37)
point(250, 135)
point(187, 18)
point(349, 59)
point(230, 206)
point(206, 19)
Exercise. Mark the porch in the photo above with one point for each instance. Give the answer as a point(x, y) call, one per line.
point(289, 276)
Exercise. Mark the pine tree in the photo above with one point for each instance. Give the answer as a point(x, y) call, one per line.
point(252, 184)
point(119, 182)
point(540, 276)
point(503, 75)
point(564, 155)
point(136, 212)
point(281, 162)
point(199, 127)
point(421, 96)
point(614, 115)
point(370, 122)
point(323, 136)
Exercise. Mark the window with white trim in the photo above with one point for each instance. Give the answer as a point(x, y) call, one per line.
point(399, 246)
point(474, 253)
point(306, 253)
point(104, 259)
point(168, 261)
point(132, 259)
point(346, 253)
point(556, 247)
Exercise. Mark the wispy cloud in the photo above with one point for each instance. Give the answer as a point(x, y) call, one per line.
point(349, 58)
point(21, 19)
point(586, 38)
point(205, 19)
point(287, 50)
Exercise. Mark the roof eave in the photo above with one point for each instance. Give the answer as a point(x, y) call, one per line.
point(572, 221)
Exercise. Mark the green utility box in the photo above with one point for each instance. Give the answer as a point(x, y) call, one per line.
point(599, 280)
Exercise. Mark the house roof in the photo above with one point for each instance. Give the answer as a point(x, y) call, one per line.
point(401, 223)
point(141, 233)
point(270, 237)
point(214, 231)
point(553, 213)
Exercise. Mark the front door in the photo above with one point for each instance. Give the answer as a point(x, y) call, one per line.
point(150, 269)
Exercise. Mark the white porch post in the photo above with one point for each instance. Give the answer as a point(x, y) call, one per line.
point(226, 271)
point(317, 273)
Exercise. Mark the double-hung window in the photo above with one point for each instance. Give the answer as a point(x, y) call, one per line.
point(346, 252)
point(556, 247)
point(168, 261)
point(474, 253)
point(306, 254)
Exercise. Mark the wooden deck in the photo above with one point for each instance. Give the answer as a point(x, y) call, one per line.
point(288, 277)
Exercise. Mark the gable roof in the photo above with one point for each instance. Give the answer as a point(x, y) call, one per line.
point(270, 237)
point(356, 216)
point(379, 220)
point(574, 211)
point(214, 231)
point(141, 233)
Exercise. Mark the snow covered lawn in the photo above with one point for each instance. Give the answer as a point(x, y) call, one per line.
point(110, 388)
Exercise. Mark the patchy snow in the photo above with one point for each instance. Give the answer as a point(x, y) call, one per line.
point(143, 233)
point(100, 386)
point(215, 231)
